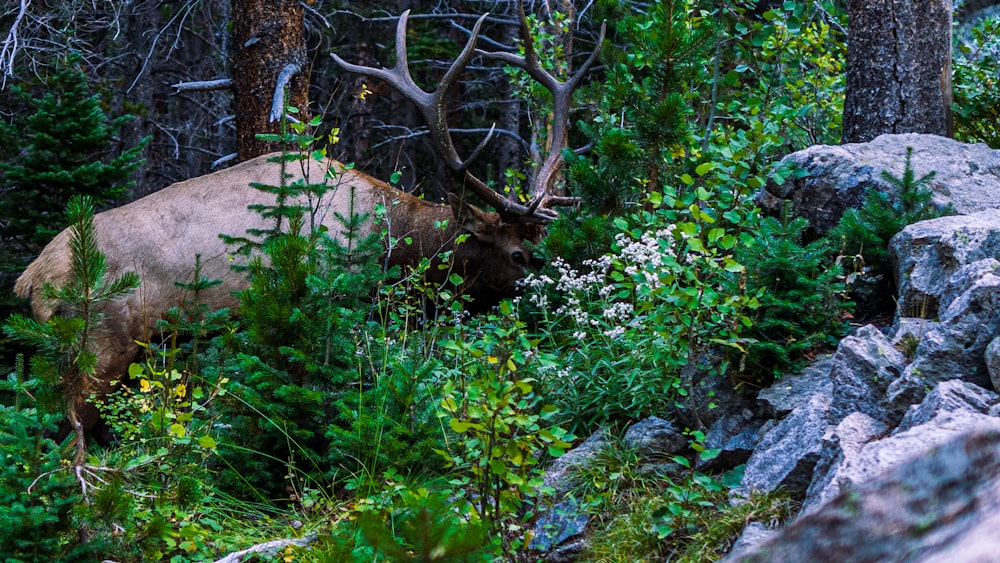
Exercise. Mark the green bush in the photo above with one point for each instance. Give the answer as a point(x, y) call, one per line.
point(38, 495)
point(296, 350)
point(58, 145)
point(976, 85)
point(503, 429)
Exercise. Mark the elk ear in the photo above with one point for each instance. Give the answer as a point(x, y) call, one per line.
point(472, 220)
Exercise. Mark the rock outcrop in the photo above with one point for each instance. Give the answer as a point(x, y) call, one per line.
point(892, 442)
point(831, 179)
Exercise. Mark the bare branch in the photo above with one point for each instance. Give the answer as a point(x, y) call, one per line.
point(278, 101)
point(10, 44)
point(270, 546)
point(203, 85)
point(220, 161)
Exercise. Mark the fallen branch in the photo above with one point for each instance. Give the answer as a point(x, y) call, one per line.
point(271, 547)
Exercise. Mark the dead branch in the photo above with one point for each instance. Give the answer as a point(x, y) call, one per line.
point(203, 85)
point(10, 44)
point(270, 546)
point(278, 101)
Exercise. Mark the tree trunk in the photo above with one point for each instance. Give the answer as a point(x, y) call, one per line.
point(270, 38)
point(898, 68)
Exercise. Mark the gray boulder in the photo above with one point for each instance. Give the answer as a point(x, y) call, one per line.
point(948, 396)
point(992, 358)
point(859, 373)
point(841, 447)
point(864, 365)
point(837, 177)
point(941, 506)
point(925, 256)
point(654, 437)
point(561, 520)
point(753, 535)
point(786, 456)
point(792, 390)
point(956, 347)
point(858, 451)
point(735, 437)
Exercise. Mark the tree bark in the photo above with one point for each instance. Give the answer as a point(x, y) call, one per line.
point(898, 68)
point(269, 36)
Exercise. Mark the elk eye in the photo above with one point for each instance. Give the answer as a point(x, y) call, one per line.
point(518, 258)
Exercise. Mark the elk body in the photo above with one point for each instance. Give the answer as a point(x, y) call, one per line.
point(159, 236)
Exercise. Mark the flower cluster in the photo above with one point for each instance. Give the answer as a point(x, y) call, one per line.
point(643, 259)
point(588, 298)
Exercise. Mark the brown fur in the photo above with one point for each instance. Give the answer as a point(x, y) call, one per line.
point(159, 235)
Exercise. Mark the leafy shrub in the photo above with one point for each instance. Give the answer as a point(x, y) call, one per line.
point(976, 85)
point(785, 84)
point(636, 317)
point(639, 121)
point(502, 426)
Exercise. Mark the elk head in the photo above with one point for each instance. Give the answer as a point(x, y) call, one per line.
point(494, 256)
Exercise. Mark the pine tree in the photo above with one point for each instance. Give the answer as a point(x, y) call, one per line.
point(309, 294)
point(65, 147)
point(802, 297)
point(66, 356)
point(38, 523)
point(640, 120)
point(62, 144)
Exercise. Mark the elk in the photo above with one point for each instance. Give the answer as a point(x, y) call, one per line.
point(159, 236)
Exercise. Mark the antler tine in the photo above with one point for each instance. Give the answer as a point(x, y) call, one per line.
point(430, 104)
point(399, 75)
point(432, 107)
point(562, 97)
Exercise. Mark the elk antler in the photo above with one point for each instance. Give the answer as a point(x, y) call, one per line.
point(562, 98)
point(433, 107)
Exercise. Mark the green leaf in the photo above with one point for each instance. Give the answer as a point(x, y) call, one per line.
point(704, 168)
point(709, 455)
point(134, 371)
point(177, 430)
point(459, 426)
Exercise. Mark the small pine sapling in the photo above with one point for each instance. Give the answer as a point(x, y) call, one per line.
point(309, 296)
point(802, 297)
point(865, 232)
point(66, 354)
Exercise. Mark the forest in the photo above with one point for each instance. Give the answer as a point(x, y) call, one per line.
point(347, 401)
